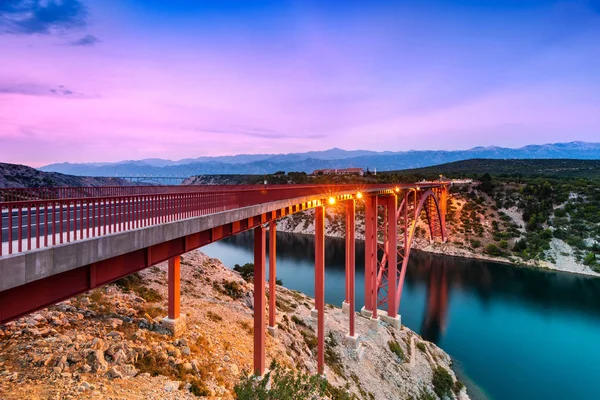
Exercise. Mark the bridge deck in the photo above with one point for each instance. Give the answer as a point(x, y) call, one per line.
point(106, 238)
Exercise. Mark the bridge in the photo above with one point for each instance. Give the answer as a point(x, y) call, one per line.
point(155, 179)
point(60, 242)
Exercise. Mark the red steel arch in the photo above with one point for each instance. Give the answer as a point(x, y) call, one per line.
point(414, 202)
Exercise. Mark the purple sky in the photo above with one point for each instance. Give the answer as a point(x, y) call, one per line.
point(86, 81)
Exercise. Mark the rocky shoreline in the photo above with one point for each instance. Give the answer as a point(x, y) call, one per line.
point(109, 343)
point(333, 228)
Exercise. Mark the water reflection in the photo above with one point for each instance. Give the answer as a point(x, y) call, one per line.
point(436, 311)
point(518, 333)
point(439, 275)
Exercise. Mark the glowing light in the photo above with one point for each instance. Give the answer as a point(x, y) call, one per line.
point(332, 200)
point(359, 195)
point(397, 189)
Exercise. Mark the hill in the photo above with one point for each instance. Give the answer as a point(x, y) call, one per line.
point(21, 176)
point(332, 158)
point(548, 168)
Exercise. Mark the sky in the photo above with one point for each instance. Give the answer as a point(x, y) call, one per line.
point(108, 80)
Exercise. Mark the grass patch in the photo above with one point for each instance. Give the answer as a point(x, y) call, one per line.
point(154, 311)
point(135, 283)
point(229, 288)
point(332, 359)
point(422, 346)
point(298, 321)
point(213, 316)
point(310, 339)
point(396, 349)
point(247, 327)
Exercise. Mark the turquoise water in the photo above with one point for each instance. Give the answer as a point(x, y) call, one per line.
point(514, 333)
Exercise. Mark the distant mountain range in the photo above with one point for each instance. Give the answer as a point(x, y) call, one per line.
point(332, 158)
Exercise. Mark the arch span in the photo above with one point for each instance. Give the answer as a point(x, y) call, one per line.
point(415, 204)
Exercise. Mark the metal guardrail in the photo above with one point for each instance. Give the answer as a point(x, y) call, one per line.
point(50, 216)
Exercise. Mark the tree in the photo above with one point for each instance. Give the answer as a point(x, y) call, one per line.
point(590, 259)
point(486, 183)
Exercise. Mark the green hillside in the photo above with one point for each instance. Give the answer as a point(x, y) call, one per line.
point(549, 168)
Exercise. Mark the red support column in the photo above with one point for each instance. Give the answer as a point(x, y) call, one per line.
point(320, 285)
point(174, 286)
point(350, 262)
point(370, 228)
point(272, 277)
point(392, 270)
point(374, 256)
point(443, 200)
point(175, 323)
point(259, 299)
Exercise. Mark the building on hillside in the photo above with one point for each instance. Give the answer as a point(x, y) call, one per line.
point(341, 171)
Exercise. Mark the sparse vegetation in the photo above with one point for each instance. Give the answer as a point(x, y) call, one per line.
point(246, 271)
point(396, 349)
point(213, 316)
point(134, 283)
point(280, 383)
point(442, 382)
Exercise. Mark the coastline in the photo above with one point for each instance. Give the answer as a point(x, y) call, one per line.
point(446, 249)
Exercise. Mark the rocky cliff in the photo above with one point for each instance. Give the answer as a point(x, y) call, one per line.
point(109, 344)
point(21, 176)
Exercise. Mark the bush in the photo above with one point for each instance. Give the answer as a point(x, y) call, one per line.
point(280, 383)
point(135, 283)
point(396, 349)
point(493, 250)
point(246, 270)
point(233, 289)
point(475, 244)
point(442, 382)
point(590, 259)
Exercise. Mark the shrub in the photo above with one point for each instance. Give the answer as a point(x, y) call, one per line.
point(135, 283)
point(458, 386)
point(422, 346)
point(246, 270)
point(520, 245)
point(280, 383)
point(396, 349)
point(298, 321)
point(213, 317)
point(442, 382)
point(475, 244)
point(232, 289)
point(493, 250)
point(590, 259)
point(198, 388)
